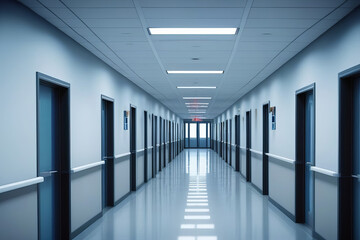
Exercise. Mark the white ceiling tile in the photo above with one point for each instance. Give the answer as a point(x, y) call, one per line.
point(289, 13)
point(297, 4)
point(185, 22)
point(195, 13)
point(99, 4)
point(208, 45)
point(112, 22)
point(105, 13)
point(192, 3)
point(279, 23)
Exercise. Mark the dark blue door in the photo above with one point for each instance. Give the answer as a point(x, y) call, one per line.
point(309, 157)
point(47, 163)
point(356, 161)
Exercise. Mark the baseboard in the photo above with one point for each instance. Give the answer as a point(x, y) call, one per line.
point(241, 174)
point(281, 208)
point(257, 188)
point(122, 198)
point(140, 186)
point(86, 225)
point(317, 236)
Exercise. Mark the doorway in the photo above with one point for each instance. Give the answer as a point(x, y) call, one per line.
point(153, 140)
point(53, 157)
point(155, 146)
point(248, 146)
point(237, 143)
point(133, 148)
point(170, 141)
point(230, 142)
point(266, 108)
point(107, 151)
point(349, 154)
point(202, 135)
point(164, 143)
point(305, 155)
point(145, 146)
point(160, 142)
point(227, 141)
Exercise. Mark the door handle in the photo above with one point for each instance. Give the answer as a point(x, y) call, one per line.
point(356, 176)
point(47, 174)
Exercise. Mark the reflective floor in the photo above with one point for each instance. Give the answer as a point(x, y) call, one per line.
point(196, 197)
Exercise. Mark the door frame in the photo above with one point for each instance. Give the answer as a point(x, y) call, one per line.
point(133, 151)
point(248, 145)
point(237, 143)
point(265, 135)
point(64, 168)
point(300, 155)
point(145, 145)
point(160, 142)
point(109, 163)
point(345, 192)
point(153, 141)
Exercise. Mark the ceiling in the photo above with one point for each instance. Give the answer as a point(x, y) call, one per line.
point(270, 33)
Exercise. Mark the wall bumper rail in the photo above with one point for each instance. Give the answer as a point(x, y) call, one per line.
point(20, 184)
point(324, 171)
point(284, 159)
point(87, 166)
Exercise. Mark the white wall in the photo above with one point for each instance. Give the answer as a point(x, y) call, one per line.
point(28, 44)
point(320, 63)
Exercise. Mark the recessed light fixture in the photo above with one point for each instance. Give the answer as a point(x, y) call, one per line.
point(197, 98)
point(195, 103)
point(192, 31)
point(195, 72)
point(196, 87)
point(194, 106)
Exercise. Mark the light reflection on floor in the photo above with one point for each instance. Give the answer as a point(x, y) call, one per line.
point(196, 197)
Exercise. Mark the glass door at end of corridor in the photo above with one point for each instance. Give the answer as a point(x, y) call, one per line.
point(197, 135)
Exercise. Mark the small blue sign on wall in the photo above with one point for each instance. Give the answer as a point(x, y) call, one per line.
point(273, 118)
point(126, 120)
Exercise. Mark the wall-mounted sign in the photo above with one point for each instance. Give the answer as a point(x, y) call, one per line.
point(273, 117)
point(126, 120)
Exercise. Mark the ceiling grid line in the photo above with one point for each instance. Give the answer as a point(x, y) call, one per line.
point(275, 57)
point(242, 24)
point(103, 43)
point(144, 26)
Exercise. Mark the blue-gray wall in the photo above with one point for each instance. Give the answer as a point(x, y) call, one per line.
point(29, 44)
point(320, 63)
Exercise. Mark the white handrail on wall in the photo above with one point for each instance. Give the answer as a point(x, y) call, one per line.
point(20, 184)
point(324, 171)
point(288, 160)
point(87, 166)
point(254, 151)
point(245, 148)
point(140, 150)
point(122, 155)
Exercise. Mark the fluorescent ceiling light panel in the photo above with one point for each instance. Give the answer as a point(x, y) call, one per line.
point(196, 87)
point(196, 217)
point(197, 106)
point(197, 103)
point(196, 204)
point(194, 72)
point(192, 31)
point(197, 98)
